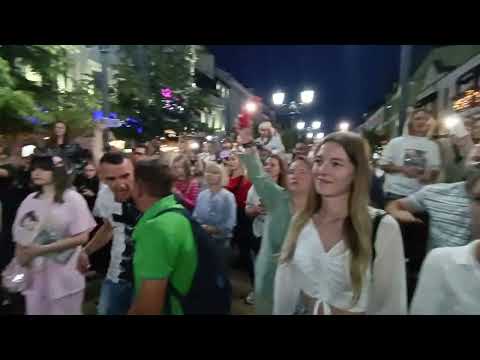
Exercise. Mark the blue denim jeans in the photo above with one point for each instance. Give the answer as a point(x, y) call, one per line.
point(115, 298)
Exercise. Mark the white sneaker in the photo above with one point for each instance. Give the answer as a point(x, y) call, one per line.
point(250, 299)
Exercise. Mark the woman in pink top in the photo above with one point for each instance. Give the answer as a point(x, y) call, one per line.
point(186, 187)
point(48, 230)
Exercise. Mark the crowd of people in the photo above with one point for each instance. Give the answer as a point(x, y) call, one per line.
point(323, 230)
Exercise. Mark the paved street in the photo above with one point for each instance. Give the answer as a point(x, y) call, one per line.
point(240, 291)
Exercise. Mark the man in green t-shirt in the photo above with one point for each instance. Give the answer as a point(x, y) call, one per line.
point(165, 249)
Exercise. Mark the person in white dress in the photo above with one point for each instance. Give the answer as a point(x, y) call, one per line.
point(329, 263)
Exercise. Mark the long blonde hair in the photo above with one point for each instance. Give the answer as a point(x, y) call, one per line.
point(358, 225)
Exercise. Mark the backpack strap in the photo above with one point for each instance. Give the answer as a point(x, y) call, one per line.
point(171, 290)
point(380, 214)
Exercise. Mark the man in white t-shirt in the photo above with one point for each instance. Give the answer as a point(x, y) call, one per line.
point(449, 282)
point(119, 214)
point(411, 161)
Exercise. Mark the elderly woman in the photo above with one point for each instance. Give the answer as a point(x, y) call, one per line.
point(216, 208)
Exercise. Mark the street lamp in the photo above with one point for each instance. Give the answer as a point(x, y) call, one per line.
point(306, 96)
point(292, 108)
point(310, 135)
point(452, 121)
point(320, 135)
point(344, 126)
point(278, 98)
point(316, 125)
point(300, 125)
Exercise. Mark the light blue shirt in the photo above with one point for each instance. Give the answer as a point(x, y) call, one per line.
point(217, 209)
point(449, 208)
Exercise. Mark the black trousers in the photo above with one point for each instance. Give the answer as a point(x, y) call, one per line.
point(244, 240)
point(415, 237)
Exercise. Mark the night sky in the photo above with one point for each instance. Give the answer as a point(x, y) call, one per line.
point(347, 79)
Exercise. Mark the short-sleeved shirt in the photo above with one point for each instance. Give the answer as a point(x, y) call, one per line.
point(409, 150)
point(123, 217)
point(40, 221)
point(165, 249)
point(217, 209)
point(448, 206)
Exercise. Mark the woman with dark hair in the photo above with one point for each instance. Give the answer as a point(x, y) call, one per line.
point(87, 184)
point(60, 144)
point(49, 246)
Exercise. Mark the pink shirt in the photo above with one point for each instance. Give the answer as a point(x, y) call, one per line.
point(188, 190)
point(41, 221)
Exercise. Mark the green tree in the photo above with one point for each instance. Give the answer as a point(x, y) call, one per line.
point(27, 102)
point(14, 104)
point(145, 70)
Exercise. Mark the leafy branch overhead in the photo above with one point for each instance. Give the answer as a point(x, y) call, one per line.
point(154, 84)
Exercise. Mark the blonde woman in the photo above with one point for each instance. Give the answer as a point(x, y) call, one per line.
point(327, 260)
point(216, 209)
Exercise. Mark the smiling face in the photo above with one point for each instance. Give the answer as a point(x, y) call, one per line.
point(333, 170)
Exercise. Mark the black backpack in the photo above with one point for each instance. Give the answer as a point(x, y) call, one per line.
point(211, 291)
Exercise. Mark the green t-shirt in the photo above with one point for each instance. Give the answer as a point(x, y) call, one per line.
point(165, 249)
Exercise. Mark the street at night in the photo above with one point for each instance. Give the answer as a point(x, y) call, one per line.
point(239, 180)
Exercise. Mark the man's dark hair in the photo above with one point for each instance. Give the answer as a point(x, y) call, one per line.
point(113, 158)
point(156, 176)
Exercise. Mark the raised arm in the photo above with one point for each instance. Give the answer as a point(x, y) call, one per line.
point(269, 191)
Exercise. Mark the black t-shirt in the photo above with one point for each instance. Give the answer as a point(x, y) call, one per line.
point(93, 184)
point(11, 197)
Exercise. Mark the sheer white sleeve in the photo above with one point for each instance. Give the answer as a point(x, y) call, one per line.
point(388, 294)
point(430, 292)
point(286, 290)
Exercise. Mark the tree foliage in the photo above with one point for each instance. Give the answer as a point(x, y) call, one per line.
point(26, 103)
point(143, 71)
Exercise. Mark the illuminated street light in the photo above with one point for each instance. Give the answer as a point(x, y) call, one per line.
point(194, 146)
point(28, 150)
point(310, 135)
point(306, 96)
point(278, 98)
point(251, 107)
point(344, 126)
point(452, 121)
point(320, 135)
point(209, 137)
point(316, 125)
point(300, 125)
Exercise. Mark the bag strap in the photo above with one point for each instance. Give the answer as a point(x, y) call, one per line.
point(171, 290)
point(375, 224)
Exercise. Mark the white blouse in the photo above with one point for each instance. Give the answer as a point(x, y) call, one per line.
point(325, 276)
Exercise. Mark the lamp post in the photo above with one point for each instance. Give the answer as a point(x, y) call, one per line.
point(293, 108)
point(104, 57)
point(344, 126)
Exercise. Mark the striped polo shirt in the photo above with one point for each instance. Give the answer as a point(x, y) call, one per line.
point(448, 206)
